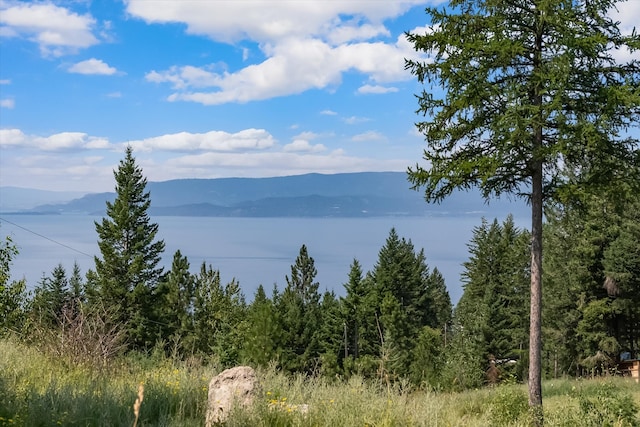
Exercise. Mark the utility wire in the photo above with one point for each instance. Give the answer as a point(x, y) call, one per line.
point(45, 237)
point(66, 246)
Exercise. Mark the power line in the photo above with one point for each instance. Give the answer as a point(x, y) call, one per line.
point(45, 237)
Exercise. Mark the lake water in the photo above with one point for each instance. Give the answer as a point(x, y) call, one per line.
point(253, 250)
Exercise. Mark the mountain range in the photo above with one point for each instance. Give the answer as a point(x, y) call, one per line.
point(365, 194)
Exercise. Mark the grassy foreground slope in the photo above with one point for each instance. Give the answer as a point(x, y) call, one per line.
point(36, 390)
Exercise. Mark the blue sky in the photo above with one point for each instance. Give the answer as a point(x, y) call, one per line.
point(207, 89)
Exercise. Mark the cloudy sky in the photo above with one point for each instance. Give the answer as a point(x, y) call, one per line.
point(206, 89)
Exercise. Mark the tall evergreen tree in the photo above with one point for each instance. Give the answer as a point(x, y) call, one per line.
point(400, 273)
point(621, 265)
point(354, 306)
point(77, 285)
point(530, 88)
point(299, 307)
point(51, 297)
point(593, 291)
point(440, 308)
point(263, 334)
point(302, 279)
point(175, 304)
point(406, 298)
point(218, 315)
point(331, 335)
point(427, 358)
point(127, 272)
point(399, 333)
point(492, 311)
point(13, 296)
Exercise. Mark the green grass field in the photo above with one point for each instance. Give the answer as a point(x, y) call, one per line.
point(36, 390)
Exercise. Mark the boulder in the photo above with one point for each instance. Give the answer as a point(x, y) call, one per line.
point(235, 386)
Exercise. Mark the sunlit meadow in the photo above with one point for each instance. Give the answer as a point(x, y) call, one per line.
point(36, 390)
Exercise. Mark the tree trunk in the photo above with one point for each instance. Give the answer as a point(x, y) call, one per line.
point(535, 329)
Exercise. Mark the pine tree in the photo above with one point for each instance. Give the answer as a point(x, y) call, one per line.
point(263, 334)
point(492, 311)
point(77, 285)
point(621, 265)
point(300, 310)
point(593, 294)
point(400, 272)
point(406, 297)
point(440, 308)
point(127, 273)
point(399, 337)
point(303, 274)
point(331, 335)
point(218, 315)
point(51, 297)
point(176, 302)
point(531, 90)
point(360, 314)
point(13, 296)
point(353, 304)
point(427, 358)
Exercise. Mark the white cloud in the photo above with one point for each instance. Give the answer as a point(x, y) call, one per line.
point(92, 66)
point(11, 137)
point(626, 13)
point(257, 164)
point(293, 66)
point(56, 30)
point(61, 161)
point(308, 45)
point(7, 32)
point(270, 21)
point(185, 77)
point(369, 136)
point(69, 140)
point(5, 82)
point(307, 135)
point(376, 89)
point(302, 145)
point(355, 120)
point(328, 113)
point(354, 32)
point(248, 139)
point(55, 142)
point(114, 95)
point(7, 103)
point(59, 172)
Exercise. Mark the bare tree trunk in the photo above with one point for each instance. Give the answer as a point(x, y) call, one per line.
point(535, 329)
point(535, 326)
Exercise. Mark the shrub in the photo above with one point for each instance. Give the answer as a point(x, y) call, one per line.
point(606, 405)
point(509, 405)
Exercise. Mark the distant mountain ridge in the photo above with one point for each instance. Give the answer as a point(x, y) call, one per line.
point(362, 194)
point(18, 198)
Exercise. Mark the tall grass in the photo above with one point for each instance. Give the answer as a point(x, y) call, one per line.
point(37, 390)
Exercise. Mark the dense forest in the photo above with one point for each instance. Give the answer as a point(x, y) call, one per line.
point(395, 322)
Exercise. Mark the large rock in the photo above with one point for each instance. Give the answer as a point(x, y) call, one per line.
point(235, 386)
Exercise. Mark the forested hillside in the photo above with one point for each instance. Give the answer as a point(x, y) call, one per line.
point(394, 322)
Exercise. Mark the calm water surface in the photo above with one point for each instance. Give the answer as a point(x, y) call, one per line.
point(253, 250)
